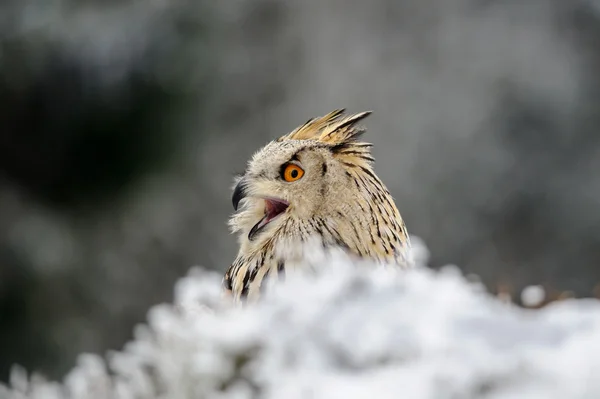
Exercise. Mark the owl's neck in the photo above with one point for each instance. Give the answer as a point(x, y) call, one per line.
point(364, 232)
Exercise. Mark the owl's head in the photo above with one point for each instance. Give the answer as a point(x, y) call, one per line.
point(303, 177)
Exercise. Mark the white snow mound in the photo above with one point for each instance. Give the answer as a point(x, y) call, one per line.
point(345, 332)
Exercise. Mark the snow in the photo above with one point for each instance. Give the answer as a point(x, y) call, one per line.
point(533, 295)
point(347, 332)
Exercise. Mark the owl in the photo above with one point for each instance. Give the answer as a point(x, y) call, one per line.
point(315, 184)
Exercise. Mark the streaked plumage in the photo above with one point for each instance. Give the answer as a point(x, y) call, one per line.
point(315, 183)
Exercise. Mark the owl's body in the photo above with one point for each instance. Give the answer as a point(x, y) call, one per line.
point(315, 184)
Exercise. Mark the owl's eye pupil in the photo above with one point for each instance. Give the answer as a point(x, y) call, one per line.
point(294, 173)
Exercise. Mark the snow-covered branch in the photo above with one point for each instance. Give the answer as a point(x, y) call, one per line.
point(346, 332)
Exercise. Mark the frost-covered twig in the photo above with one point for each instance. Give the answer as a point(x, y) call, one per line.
point(348, 331)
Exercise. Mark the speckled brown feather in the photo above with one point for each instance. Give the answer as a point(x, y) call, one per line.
point(341, 203)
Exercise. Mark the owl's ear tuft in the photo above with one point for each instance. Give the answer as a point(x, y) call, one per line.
point(338, 132)
point(344, 130)
point(333, 128)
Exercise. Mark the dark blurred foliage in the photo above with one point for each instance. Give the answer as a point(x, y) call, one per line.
point(122, 123)
point(68, 135)
point(80, 127)
point(79, 147)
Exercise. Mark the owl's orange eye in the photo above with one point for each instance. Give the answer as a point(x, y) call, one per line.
point(292, 172)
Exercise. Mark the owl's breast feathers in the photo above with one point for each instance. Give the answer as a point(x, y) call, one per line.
point(364, 236)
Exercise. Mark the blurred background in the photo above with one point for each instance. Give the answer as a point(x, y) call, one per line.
point(123, 122)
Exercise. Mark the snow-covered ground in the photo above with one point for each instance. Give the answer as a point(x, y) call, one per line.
point(345, 332)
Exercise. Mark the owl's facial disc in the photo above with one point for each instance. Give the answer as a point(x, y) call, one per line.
point(274, 207)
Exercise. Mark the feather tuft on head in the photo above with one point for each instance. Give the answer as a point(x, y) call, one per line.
point(333, 128)
point(337, 131)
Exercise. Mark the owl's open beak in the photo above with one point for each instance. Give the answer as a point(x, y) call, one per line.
point(239, 193)
point(273, 208)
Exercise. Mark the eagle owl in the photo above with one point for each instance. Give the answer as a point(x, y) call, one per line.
point(315, 183)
